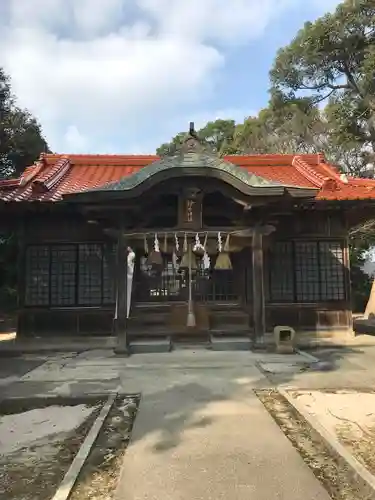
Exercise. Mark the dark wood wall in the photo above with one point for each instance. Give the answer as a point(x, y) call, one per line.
point(309, 225)
point(312, 225)
point(65, 228)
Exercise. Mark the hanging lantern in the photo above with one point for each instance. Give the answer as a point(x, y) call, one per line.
point(155, 258)
point(223, 261)
point(184, 264)
point(188, 258)
point(198, 248)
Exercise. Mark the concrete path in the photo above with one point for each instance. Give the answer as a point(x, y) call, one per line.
point(202, 434)
point(100, 371)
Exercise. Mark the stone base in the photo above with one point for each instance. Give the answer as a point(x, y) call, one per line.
point(229, 343)
point(121, 351)
point(150, 346)
point(285, 349)
point(364, 326)
point(309, 339)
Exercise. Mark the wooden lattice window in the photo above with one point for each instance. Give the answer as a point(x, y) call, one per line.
point(63, 275)
point(90, 275)
point(109, 266)
point(69, 275)
point(37, 276)
point(306, 271)
point(281, 279)
point(332, 271)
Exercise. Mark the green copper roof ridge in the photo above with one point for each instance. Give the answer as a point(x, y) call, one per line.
point(200, 160)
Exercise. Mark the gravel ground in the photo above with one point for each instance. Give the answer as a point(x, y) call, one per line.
point(33, 468)
point(349, 415)
point(99, 476)
point(331, 470)
point(362, 448)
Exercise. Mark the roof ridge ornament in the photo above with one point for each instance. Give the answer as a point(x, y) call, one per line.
point(190, 143)
point(308, 172)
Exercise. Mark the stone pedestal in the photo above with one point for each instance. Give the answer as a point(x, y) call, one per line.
point(284, 339)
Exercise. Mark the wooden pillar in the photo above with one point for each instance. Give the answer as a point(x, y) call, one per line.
point(347, 283)
point(21, 277)
point(121, 295)
point(258, 288)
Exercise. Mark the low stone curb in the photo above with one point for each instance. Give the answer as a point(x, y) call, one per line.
point(308, 356)
point(358, 470)
point(64, 490)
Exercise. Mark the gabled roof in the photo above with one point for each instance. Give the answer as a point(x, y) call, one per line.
point(194, 162)
point(55, 175)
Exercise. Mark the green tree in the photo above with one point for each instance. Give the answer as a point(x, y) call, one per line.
point(170, 147)
point(21, 139)
point(21, 142)
point(333, 59)
point(283, 127)
point(218, 135)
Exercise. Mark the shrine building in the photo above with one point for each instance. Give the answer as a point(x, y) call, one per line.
point(187, 246)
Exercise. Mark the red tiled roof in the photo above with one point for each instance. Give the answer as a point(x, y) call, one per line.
point(54, 175)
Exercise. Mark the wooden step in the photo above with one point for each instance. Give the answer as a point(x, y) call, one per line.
point(223, 306)
point(149, 319)
point(231, 343)
point(152, 307)
point(230, 318)
point(231, 330)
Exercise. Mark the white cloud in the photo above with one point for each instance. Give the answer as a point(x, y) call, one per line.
point(75, 141)
point(213, 20)
point(100, 74)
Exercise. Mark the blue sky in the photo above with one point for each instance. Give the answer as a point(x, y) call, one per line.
point(123, 76)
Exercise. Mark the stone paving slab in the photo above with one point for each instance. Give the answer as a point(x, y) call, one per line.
point(210, 438)
point(106, 366)
point(283, 367)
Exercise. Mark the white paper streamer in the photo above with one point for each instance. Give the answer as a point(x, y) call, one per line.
point(219, 242)
point(156, 244)
point(198, 245)
point(130, 274)
point(174, 260)
point(206, 261)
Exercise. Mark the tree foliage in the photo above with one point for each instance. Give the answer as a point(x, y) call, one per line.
point(283, 127)
point(218, 135)
point(21, 142)
point(21, 139)
point(322, 99)
point(333, 59)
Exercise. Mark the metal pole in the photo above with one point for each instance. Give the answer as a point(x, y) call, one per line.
point(190, 316)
